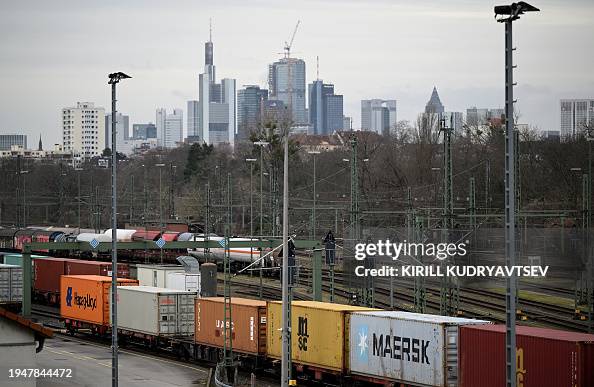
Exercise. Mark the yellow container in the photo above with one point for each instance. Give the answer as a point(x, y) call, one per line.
point(319, 333)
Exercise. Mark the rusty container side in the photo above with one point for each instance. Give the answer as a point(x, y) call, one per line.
point(248, 324)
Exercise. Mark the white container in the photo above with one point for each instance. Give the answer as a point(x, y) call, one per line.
point(156, 275)
point(406, 347)
point(156, 311)
point(184, 281)
point(11, 283)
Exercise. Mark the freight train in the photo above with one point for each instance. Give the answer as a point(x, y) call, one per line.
point(13, 239)
point(333, 343)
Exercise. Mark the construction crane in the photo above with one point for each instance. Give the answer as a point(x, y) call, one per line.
point(290, 44)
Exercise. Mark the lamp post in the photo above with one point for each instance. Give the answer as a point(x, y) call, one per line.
point(261, 144)
point(251, 162)
point(114, 78)
point(23, 173)
point(160, 165)
point(313, 211)
point(78, 197)
point(507, 14)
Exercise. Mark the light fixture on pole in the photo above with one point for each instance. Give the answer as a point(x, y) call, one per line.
point(507, 14)
point(114, 79)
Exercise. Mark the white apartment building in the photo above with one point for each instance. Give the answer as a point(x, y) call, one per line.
point(83, 129)
point(169, 127)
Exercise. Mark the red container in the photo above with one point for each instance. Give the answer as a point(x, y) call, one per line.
point(544, 357)
point(81, 267)
point(47, 272)
point(142, 235)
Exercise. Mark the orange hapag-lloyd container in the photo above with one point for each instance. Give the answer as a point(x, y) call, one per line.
point(85, 298)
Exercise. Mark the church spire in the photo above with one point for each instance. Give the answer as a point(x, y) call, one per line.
point(40, 147)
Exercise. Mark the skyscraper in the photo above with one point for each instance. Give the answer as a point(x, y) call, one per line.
point(434, 104)
point(144, 131)
point(479, 117)
point(217, 119)
point(83, 129)
point(193, 119)
point(378, 115)
point(576, 114)
point(249, 107)
point(280, 88)
point(169, 127)
point(325, 108)
point(122, 129)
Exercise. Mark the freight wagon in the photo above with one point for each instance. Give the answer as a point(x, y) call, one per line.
point(409, 348)
point(248, 329)
point(85, 300)
point(154, 314)
point(319, 340)
point(544, 357)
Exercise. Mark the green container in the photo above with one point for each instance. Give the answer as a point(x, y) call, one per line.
point(17, 259)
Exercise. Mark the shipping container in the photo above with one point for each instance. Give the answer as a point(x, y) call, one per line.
point(156, 311)
point(406, 347)
point(156, 275)
point(319, 333)
point(184, 281)
point(85, 298)
point(248, 328)
point(122, 235)
point(544, 357)
point(11, 283)
point(79, 267)
point(17, 259)
point(47, 272)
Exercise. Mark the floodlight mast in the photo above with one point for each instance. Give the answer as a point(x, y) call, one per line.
point(507, 14)
point(114, 78)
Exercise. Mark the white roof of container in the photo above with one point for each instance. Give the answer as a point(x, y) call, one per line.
point(122, 234)
point(432, 318)
point(87, 237)
point(160, 267)
point(6, 265)
point(153, 289)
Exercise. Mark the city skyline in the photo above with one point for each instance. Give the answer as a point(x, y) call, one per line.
point(456, 48)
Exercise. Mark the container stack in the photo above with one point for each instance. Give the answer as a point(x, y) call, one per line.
point(11, 283)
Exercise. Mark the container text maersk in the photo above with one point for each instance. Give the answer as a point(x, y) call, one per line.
point(401, 348)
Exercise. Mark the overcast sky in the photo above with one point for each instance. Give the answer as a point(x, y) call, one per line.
point(55, 53)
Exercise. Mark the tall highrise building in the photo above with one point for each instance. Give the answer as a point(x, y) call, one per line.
point(293, 92)
point(144, 131)
point(83, 129)
point(193, 126)
point(325, 108)
point(434, 104)
point(9, 140)
point(169, 127)
point(481, 116)
point(249, 110)
point(122, 129)
point(378, 115)
point(217, 120)
point(576, 114)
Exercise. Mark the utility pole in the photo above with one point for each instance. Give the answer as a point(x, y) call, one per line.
point(313, 211)
point(132, 202)
point(286, 305)
point(487, 184)
point(78, 183)
point(261, 144)
point(207, 223)
point(448, 292)
point(251, 162)
point(114, 78)
point(161, 228)
point(507, 14)
point(228, 366)
point(472, 204)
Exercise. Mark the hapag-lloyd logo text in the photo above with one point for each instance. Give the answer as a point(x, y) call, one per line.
point(83, 302)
